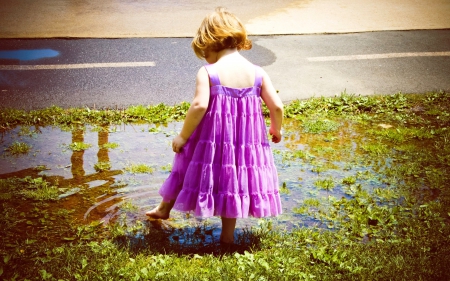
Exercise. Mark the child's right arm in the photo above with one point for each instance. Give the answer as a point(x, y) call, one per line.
point(275, 106)
point(196, 111)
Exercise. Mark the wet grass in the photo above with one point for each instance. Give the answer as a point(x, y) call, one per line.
point(139, 168)
point(17, 148)
point(79, 146)
point(366, 178)
point(102, 166)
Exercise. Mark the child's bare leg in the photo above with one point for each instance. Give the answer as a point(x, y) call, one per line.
point(162, 211)
point(228, 226)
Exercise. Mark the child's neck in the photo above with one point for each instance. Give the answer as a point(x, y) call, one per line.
point(227, 53)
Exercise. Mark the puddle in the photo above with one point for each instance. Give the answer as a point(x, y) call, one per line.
point(93, 193)
point(26, 55)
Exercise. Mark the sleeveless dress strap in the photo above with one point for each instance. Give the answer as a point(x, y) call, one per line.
point(213, 76)
point(258, 76)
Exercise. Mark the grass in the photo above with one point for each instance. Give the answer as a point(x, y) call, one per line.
point(321, 125)
point(392, 223)
point(326, 184)
point(284, 189)
point(29, 188)
point(18, 148)
point(102, 166)
point(79, 146)
point(139, 168)
point(167, 167)
point(9, 118)
point(110, 145)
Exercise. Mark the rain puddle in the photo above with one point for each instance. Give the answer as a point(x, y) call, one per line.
point(120, 168)
point(26, 55)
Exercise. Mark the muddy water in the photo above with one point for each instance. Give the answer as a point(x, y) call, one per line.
point(106, 195)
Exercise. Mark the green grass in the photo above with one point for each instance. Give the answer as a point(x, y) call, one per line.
point(17, 148)
point(128, 207)
point(9, 118)
point(29, 188)
point(391, 223)
point(102, 166)
point(326, 184)
point(139, 168)
point(79, 146)
point(284, 189)
point(167, 167)
point(320, 125)
point(110, 145)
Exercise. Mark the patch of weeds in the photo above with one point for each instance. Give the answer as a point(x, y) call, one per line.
point(312, 202)
point(8, 185)
point(403, 225)
point(26, 131)
point(326, 184)
point(348, 103)
point(405, 147)
point(102, 166)
point(433, 112)
point(17, 148)
point(139, 169)
point(5, 196)
point(128, 207)
point(91, 231)
point(155, 130)
point(167, 168)
point(319, 168)
point(375, 148)
point(110, 145)
point(64, 213)
point(288, 155)
point(309, 204)
point(330, 138)
point(411, 169)
point(402, 134)
point(284, 189)
point(122, 227)
point(365, 175)
point(39, 189)
point(317, 126)
point(79, 146)
point(54, 115)
point(322, 150)
point(349, 180)
point(40, 168)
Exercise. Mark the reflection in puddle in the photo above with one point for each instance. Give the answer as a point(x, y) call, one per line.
point(26, 55)
point(107, 193)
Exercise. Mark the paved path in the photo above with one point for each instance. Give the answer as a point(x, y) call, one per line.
point(179, 18)
point(300, 66)
point(123, 72)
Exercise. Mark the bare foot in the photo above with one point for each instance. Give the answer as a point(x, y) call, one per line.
point(226, 241)
point(157, 214)
point(228, 227)
point(162, 211)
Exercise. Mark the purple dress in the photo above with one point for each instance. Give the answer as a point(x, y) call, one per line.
point(226, 167)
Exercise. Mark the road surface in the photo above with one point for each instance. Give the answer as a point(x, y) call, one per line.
point(121, 72)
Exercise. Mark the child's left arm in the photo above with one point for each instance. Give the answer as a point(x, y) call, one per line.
point(275, 106)
point(195, 112)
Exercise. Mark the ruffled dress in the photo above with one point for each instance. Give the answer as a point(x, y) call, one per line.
point(226, 167)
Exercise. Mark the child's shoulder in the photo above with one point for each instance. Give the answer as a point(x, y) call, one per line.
point(202, 75)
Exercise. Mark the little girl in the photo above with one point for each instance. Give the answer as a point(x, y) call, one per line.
point(223, 164)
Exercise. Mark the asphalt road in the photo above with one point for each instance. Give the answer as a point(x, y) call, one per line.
point(301, 66)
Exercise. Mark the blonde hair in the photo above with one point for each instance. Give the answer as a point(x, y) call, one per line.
point(220, 30)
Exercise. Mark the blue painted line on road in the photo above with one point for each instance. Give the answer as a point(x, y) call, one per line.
point(26, 55)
